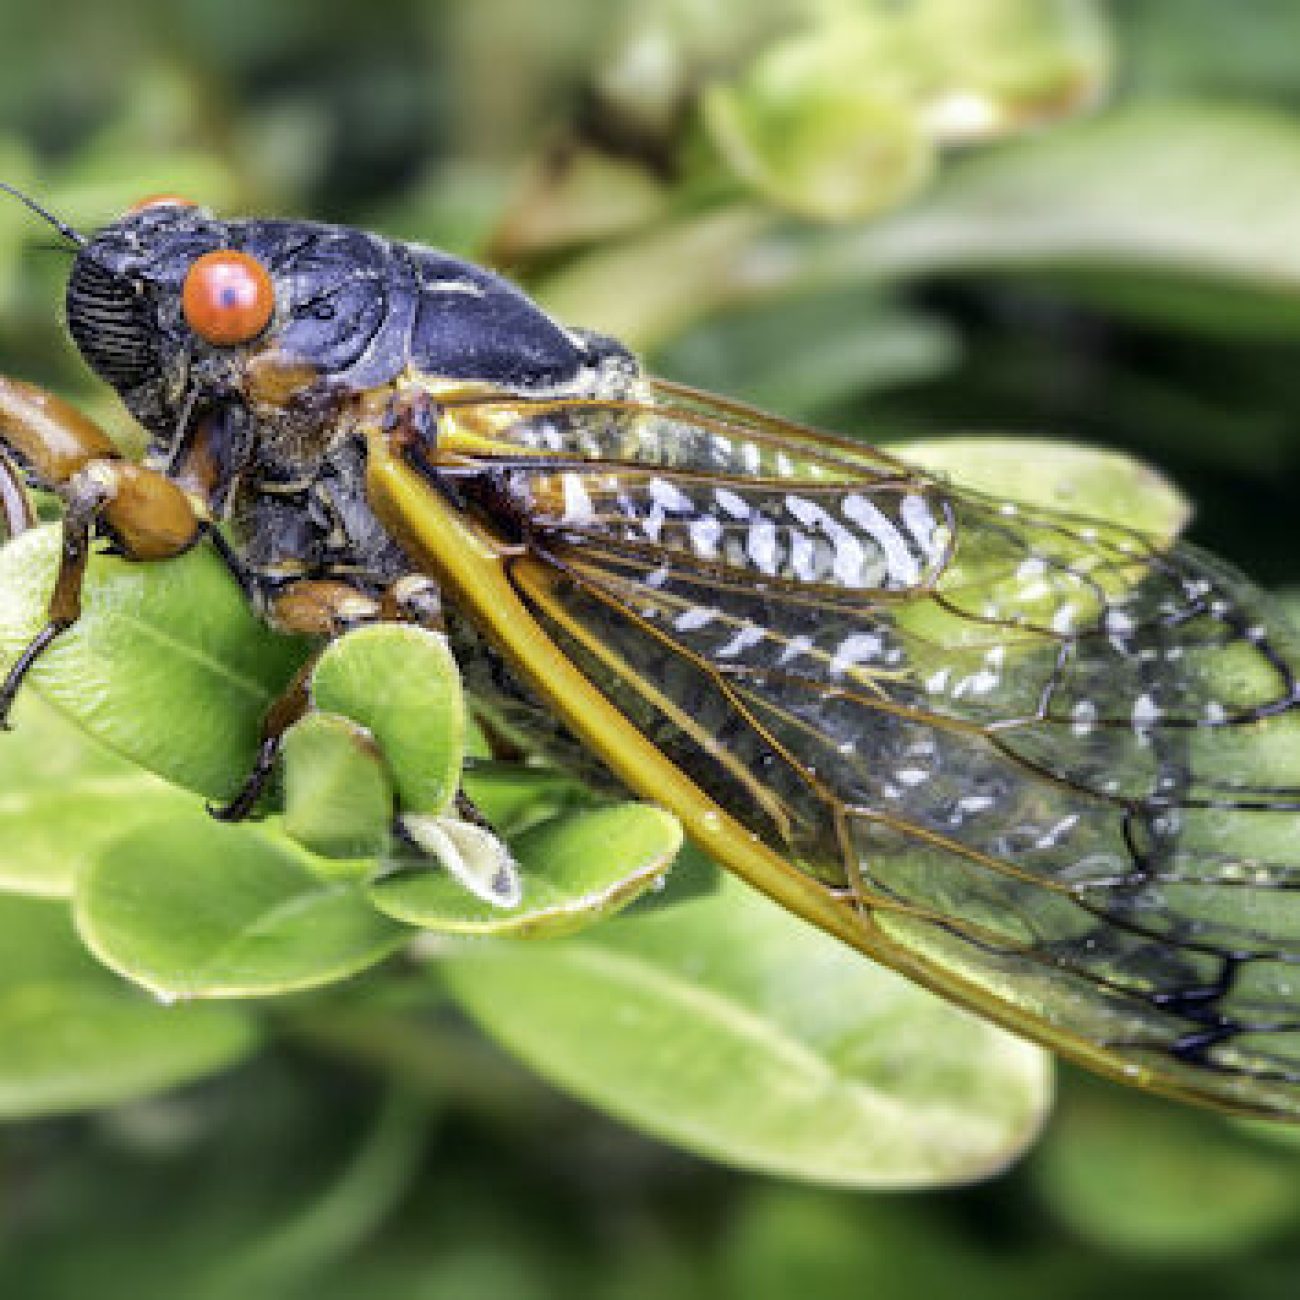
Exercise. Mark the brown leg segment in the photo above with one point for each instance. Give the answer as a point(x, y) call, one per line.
point(48, 435)
point(279, 718)
point(325, 607)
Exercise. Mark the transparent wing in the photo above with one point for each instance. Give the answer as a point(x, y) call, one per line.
point(1041, 756)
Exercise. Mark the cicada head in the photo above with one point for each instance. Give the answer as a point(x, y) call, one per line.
point(147, 325)
point(185, 314)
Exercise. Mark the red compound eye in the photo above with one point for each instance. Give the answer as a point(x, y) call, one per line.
point(161, 201)
point(227, 297)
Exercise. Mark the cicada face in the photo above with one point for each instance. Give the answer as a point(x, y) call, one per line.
point(1046, 765)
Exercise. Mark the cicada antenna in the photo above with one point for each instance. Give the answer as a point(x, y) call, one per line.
point(68, 232)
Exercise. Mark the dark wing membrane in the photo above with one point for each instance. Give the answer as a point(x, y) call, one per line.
point(1041, 755)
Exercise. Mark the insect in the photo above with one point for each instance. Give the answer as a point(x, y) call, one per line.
point(1042, 764)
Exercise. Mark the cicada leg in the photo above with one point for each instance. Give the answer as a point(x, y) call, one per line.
point(146, 515)
point(328, 608)
point(283, 713)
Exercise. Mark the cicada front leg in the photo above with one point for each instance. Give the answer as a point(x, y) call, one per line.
point(146, 516)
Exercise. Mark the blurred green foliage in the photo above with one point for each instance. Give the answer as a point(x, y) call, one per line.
point(1130, 278)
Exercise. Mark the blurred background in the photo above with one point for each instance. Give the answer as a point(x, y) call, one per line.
point(895, 218)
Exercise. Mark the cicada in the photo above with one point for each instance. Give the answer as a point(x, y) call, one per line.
point(1045, 765)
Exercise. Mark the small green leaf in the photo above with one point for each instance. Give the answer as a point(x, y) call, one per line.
point(338, 795)
point(74, 1038)
point(1059, 475)
point(995, 66)
point(400, 683)
point(790, 1053)
point(167, 664)
point(575, 869)
point(593, 196)
point(62, 796)
point(190, 908)
point(826, 150)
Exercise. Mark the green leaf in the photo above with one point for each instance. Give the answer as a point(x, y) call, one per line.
point(74, 1038)
point(1224, 311)
point(576, 869)
point(1060, 475)
point(62, 797)
point(167, 665)
point(402, 684)
point(339, 1219)
point(96, 186)
point(997, 66)
point(1279, 1133)
point(734, 1030)
point(825, 151)
point(1200, 191)
point(188, 907)
point(338, 794)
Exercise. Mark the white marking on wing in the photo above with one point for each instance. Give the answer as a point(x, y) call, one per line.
point(901, 563)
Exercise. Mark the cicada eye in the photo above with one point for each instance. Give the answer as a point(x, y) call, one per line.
point(227, 297)
point(160, 201)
